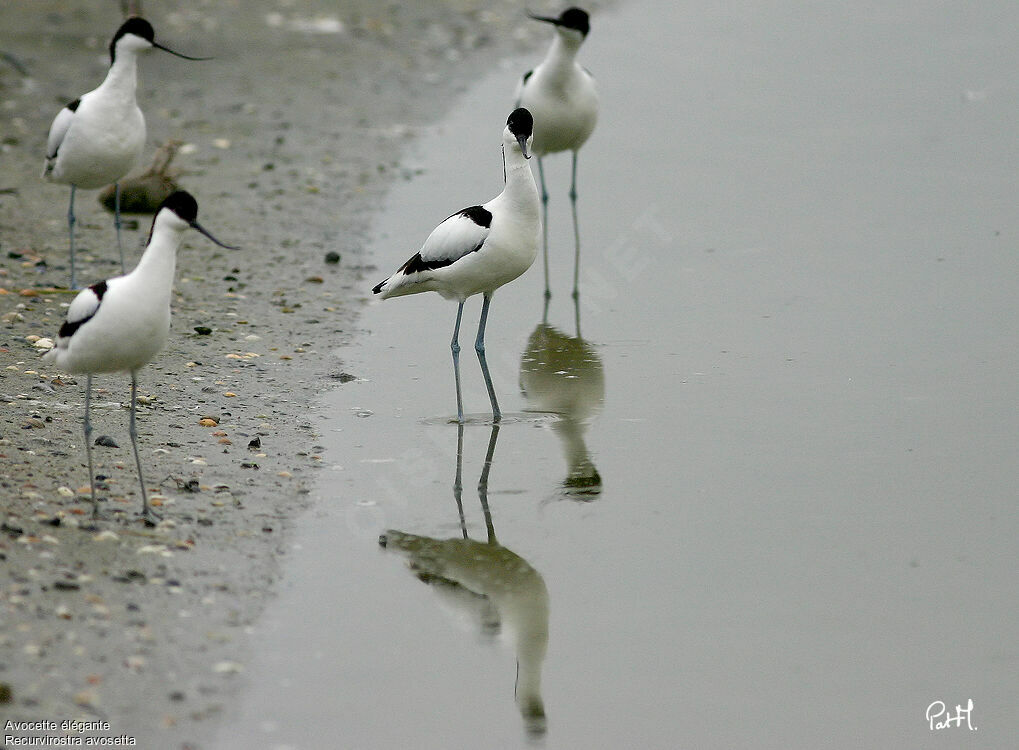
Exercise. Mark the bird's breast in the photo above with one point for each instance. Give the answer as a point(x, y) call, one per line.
point(101, 145)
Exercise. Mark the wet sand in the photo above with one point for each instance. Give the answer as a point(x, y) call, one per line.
point(294, 132)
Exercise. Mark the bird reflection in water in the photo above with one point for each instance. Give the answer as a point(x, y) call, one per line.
point(563, 375)
point(490, 581)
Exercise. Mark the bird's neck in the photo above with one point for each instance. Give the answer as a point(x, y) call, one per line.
point(520, 186)
point(532, 645)
point(581, 471)
point(156, 268)
point(561, 58)
point(122, 77)
point(571, 431)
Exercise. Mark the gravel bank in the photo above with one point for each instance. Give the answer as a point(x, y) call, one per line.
point(291, 134)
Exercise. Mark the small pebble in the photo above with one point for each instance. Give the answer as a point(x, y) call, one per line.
point(207, 422)
point(135, 662)
point(227, 667)
point(203, 330)
point(332, 257)
point(107, 441)
point(154, 549)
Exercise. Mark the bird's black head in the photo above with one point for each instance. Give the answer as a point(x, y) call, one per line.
point(139, 27)
point(575, 18)
point(185, 207)
point(183, 204)
point(571, 18)
point(520, 123)
point(135, 25)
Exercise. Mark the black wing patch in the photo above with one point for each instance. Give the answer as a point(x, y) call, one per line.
point(527, 75)
point(417, 264)
point(68, 328)
point(479, 215)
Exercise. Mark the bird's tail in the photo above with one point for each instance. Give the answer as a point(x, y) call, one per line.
point(396, 285)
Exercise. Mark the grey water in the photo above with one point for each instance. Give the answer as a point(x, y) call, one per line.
point(766, 497)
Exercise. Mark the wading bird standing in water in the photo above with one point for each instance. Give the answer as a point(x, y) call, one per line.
point(480, 248)
point(97, 138)
point(120, 324)
point(564, 101)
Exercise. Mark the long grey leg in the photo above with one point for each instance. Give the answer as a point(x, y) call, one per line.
point(483, 484)
point(544, 225)
point(148, 514)
point(455, 348)
point(576, 230)
point(458, 479)
point(88, 445)
point(479, 347)
point(116, 223)
point(70, 231)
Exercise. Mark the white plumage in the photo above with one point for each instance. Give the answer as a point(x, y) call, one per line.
point(561, 94)
point(120, 324)
point(480, 248)
point(563, 98)
point(96, 139)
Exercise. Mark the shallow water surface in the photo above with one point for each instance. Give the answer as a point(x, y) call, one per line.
point(768, 496)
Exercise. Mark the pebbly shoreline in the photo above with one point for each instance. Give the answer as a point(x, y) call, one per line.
point(292, 133)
